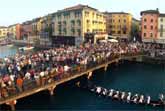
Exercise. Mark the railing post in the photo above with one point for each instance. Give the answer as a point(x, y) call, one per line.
point(12, 105)
point(105, 68)
point(90, 75)
point(116, 62)
point(51, 90)
point(78, 83)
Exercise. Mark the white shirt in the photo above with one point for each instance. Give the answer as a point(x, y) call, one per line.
point(66, 68)
point(36, 76)
point(18, 68)
point(12, 77)
point(42, 74)
point(27, 75)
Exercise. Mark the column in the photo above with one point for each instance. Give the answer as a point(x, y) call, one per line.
point(51, 90)
point(89, 75)
point(12, 104)
point(106, 67)
point(116, 63)
point(78, 84)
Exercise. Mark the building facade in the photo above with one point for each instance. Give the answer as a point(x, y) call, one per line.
point(46, 30)
point(15, 31)
point(161, 29)
point(36, 26)
point(78, 20)
point(26, 30)
point(149, 25)
point(119, 24)
point(12, 31)
point(136, 30)
point(3, 32)
point(18, 31)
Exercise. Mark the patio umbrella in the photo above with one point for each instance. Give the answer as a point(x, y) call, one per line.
point(113, 40)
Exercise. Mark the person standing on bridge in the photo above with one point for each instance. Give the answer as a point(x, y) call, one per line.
point(19, 83)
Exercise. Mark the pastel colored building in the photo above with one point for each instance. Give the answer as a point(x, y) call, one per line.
point(149, 25)
point(46, 22)
point(119, 24)
point(161, 29)
point(15, 31)
point(12, 31)
point(36, 26)
point(3, 32)
point(78, 20)
point(26, 29)
point(18, 31)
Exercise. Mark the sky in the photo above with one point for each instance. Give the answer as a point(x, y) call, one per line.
point(18, 11)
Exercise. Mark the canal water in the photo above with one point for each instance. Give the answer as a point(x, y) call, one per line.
point(7, 51)
point(135, 77)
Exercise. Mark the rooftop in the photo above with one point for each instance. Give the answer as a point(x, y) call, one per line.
point(13, 25)
point(27, 23)
point(150, 11)
point(3, 27)
point(134, 19)
point(77, 7)
point(162, 15)
point(117, 13)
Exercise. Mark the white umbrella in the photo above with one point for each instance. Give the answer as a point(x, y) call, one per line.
point(113, 40)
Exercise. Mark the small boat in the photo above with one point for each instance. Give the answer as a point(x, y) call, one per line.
point(26, 48)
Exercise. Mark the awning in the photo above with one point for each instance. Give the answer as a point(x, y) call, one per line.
point(103, 41)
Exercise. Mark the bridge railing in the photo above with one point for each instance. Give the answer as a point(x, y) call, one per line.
point(53, 77)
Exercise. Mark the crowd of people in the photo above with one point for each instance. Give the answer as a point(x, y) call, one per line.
point(154, 50)
point(22, 72)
